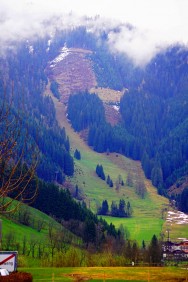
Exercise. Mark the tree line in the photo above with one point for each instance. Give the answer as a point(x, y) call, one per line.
point(122, 210)
point(22, 85)
point(62, 249)
point(154, 120)
point(59, 203)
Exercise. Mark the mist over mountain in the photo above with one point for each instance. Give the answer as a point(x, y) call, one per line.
point(154, 110)
point(119, 87)
point(96, 92)
point(144, 29)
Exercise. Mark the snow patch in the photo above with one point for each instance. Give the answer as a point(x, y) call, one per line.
point(182, 239)
point(177, 217)
point(48, 44)
point(64, 52)
point(116, 108)
point(31, 49)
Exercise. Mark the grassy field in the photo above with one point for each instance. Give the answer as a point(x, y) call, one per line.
point(19, 230)
point(139, 228)
point(15, 236)
point(147, 213)
point(159, 274)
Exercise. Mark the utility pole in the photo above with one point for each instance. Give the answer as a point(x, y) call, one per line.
point(0, 235)
point(168, 238)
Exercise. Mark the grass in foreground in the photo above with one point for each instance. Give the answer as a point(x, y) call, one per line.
point(159, 274)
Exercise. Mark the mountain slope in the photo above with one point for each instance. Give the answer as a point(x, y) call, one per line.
point(94, 190)
point(73, 70)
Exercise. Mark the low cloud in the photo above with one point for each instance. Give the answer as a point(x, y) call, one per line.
point(156, 25)
point(140, 46)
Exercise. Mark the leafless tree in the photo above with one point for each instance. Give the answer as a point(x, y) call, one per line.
point(40, 224)
point(15, 171)
point(140, 188)
point(129, 180)
point(32, 246)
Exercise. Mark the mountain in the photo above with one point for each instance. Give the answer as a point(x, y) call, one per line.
point(78, 95)
point(160, 122)
point(145, 109)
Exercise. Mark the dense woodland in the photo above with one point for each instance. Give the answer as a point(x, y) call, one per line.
point(154, 127)
point(154, 130)
point(75, 216)
point(22, 83)
point(154, 111)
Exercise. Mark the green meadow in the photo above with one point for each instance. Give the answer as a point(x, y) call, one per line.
point(148, 217)
point(136, 274)
point(139, 228)
point(15, 236)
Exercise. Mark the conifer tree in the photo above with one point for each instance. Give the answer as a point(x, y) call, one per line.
point(154, 250)
point(108, 180)
point(114, 209)
point(104, 209)
point(69, 165)
point(100, 172)
point(157, 176)
point(111, 183)
point(77, 155)
point(89, 231)
point(129, 209)
point(122, 208)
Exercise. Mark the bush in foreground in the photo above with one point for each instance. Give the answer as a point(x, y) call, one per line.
point(17, 276)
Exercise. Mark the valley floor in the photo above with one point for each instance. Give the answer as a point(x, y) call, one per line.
point(130, 273)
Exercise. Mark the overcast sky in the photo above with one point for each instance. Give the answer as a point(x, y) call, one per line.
point(158, 22)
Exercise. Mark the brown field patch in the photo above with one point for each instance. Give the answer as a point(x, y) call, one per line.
point(107, 95)
point(111, 99)
point(112, 114)
point(74, 73)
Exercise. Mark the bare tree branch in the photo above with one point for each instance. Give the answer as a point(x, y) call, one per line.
point(18, 159)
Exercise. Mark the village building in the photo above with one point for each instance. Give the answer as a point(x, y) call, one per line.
point(175, 251)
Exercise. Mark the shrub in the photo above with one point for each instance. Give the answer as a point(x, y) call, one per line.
point(17, 276)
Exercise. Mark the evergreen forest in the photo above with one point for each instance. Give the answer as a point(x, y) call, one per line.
point(152, 129)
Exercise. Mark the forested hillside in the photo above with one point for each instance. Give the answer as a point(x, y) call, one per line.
point(156, 115)
point(22, 83)
point(153, 110)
